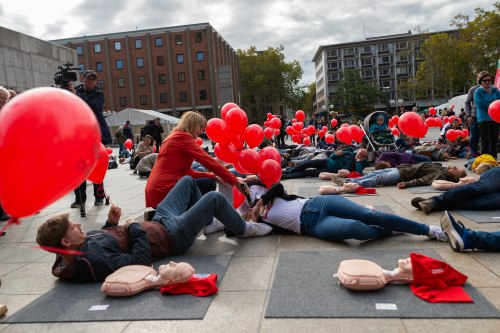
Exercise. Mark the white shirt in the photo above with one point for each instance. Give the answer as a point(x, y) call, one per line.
point(285, 214)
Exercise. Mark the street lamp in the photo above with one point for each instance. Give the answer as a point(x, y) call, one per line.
point(400, 101)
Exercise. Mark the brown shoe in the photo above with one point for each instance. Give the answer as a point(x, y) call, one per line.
point(427, 206)
point(415, 202)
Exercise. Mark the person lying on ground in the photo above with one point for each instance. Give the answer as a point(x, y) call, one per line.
point(393, 159)
point(181, 215)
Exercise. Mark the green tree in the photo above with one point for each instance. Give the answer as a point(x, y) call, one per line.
point(267, 80)
point(355, 94)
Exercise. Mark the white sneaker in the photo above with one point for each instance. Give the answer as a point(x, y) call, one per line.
point(215, 226)
point(437, 233)
point(254, 229)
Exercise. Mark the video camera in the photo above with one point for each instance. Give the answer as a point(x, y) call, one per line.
point(65, 75)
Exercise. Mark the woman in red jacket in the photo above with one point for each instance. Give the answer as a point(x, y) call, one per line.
point(177, 153)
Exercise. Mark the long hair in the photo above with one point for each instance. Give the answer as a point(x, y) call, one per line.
point(190, 120)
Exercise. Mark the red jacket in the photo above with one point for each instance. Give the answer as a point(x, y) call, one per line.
point(177, 153)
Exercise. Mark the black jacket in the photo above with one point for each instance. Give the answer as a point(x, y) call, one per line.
point(95, 99)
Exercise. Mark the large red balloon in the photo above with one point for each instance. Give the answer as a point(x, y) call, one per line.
point(270, 172)
point(494, 110)
point(270, 153)
point(300, 115)
point(218, 131)
point(343, 134)
point(238, 198)
point(268, 132)
point(226, 108)
point(275, 123)
point(237, 121)
point(411, 124)
point(329, 138)
point(356, 133)
point(64, 150)
point(226, 153)
point(128, 144)
point(249, 160)
point(97, 174)
point(452, 135)
point(254, 135)
point(240, 169)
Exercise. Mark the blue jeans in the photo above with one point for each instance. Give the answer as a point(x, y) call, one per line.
point(334, 218)
point(481, 195)
point(486, 241)
point(383, 177)
point(184, 212)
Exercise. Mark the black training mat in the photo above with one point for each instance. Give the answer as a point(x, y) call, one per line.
point(303, 287)
point(69, 302)
point(479, 216)
point(313, 191)
point(423, 189)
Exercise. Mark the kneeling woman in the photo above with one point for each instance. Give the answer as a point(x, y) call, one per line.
point(333, 218)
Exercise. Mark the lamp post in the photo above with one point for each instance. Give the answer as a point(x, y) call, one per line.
point(400, 101)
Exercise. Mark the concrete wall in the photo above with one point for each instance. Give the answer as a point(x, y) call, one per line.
point(27, 62)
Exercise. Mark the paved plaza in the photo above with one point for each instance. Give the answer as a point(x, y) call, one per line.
point(241, 302)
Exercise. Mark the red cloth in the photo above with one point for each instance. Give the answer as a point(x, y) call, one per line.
point(198, 285)
point(437, 282)
point(177, 153)
point(367, 190)
point(354, 174)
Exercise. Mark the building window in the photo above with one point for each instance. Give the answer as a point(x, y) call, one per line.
point(350, 63)
point(334, 65)
point(203, 95)
point(384, 71)
point(198, 37)
point(366, 49)
point(402, 70)
point(79, 50)
point(121, 82)
point(180, 58)
point(332, 53)
point(183, 96)
point(367, 74)
point(97, 48)
point(160, 60)
point(98, 67)
point(384, 60)
point(119, 64)
point(123, 101)
point(350, 51)
point(142, 80)
point(143, 99)
point(100, 84)
point(201, 75)
point(163, 98)
point(181, 76)
point(199, 56)
point(138, 44)
point(118, 46)
point(162, 79)
point(178, 39)
point(140, 62)
point(158, 41)
point(366, 61)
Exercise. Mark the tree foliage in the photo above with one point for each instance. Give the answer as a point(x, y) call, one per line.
point(353, 93)
point(267, 79)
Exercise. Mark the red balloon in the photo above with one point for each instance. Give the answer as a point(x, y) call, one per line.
point(128, 144)
point(276, 132)
point(300, 115)
point(237, 121)
point(445, 119)
point(324, 129)
point(395, 120)
point(329, 138)
point(307, 141)
point(451, 118)
point(294, 120)
point(344, 125)
point(395, 131)
point(269, 116)
point(268, 132)
point(432, 111)
point(411, 124)
point(311, 129)
point(270, 153)
point(254, 135)
point(494, 110)
point(289, 130)
point(356, 133)
point(237, 141)
point(218, 131)
point(266, 123)
point(64, 150)
point(344, 135)
point(270, 172)
point(466, 132)
point(226, 153)
point(452, 135)
point(275, 123)
point(297, 126)
point(199, 141)
point(321, 133)
point(109, 150)
point(238, 198)
point(334, 122)
point(226, 108)
point(97, 174)
point(240, 169)
point(249, 159)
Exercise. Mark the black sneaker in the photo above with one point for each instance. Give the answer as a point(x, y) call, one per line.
point(454, 230)
point(99, 202)
point(76, 205)
point(415, 201)
point(5, 217)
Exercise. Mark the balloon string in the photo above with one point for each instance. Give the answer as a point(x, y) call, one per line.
point(57, 250)
point(13, 220)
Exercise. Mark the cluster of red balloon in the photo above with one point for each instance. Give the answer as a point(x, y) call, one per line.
point(231, 133)
point(454, 135)
point(494, 110)
point(66, 150)
point(433, 122)
point(300, 133)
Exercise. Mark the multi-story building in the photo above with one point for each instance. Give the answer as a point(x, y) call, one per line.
point(389, 63)
point(170, 70)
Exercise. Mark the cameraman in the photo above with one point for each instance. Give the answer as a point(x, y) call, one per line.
point(95, 100)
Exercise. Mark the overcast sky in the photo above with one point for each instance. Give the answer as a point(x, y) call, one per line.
point(300, 26)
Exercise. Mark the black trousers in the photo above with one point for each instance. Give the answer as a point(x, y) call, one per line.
point(488, 132)
point(81, 192)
